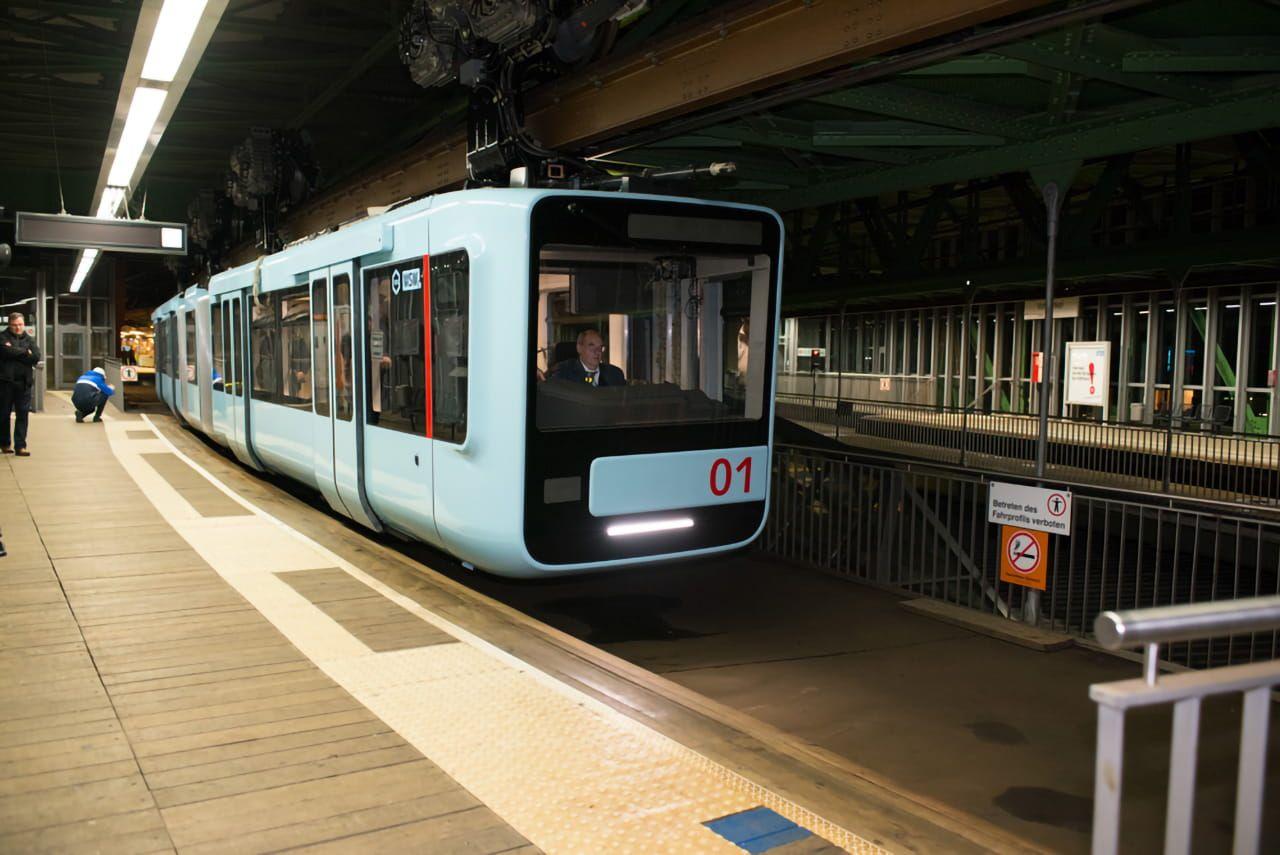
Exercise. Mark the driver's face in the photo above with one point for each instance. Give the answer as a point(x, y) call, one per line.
point(590, 349)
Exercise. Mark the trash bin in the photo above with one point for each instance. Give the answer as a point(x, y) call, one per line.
point(1136, 412)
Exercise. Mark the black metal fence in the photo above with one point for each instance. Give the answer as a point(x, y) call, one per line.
point(923, 529)
point(1172, 459)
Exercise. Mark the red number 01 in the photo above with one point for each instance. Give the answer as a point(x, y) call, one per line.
point(723, 486)
point(720, 484)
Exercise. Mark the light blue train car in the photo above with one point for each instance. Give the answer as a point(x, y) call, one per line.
point(432, 371)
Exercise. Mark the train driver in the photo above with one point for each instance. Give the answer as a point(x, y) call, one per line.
point(588, 368)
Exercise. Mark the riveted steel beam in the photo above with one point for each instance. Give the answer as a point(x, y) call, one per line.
point(906, 102)
point(893, 133)
point(720, 57)
point(764, 45)
point(1045, 53)
point(1100, 137)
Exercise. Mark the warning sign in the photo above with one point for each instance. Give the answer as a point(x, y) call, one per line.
point(129, 373)
point(1024, 555)
point(1030, 507)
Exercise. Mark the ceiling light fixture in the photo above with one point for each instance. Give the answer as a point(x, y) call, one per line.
point(174, 29)
point(143, 111)
point(87, 258)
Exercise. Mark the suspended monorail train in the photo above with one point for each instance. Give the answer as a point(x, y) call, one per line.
point(409, 367)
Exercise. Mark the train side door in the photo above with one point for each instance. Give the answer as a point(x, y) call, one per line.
point(235, 380)
point(322, 391)
point(344, 446)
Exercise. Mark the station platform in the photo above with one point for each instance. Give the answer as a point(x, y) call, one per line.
point(191, 667)
point(196, 658)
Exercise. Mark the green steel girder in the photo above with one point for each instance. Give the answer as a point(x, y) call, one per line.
point(1045, 53)
point(1149, 258)
point(1204, 60)
point(797, 136)
point(1100, 137)
point(895, 134)
point(976, 65)
point(908, 103)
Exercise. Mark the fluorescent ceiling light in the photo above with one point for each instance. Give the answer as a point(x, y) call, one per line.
point(648, 527)
point(111, 199)
point(143, 112)
point(172, 37)
point(82, 272)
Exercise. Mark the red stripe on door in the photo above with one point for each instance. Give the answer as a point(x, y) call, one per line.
point(426, 339)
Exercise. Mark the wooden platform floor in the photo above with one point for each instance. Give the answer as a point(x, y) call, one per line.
point(146, 706)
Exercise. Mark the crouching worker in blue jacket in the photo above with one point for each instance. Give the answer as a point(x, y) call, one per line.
point(90, 394)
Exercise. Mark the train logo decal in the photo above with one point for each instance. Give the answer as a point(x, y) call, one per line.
point(406, 280)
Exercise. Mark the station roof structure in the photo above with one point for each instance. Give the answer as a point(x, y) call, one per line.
point(818, 104)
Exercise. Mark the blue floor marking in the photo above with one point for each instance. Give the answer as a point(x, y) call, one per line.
point(757, 830)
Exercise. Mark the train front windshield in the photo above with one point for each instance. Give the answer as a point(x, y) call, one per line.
point(653, 324)
point(654, 331)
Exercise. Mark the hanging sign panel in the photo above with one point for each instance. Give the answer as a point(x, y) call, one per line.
point(66, 231)
point(1063, 307)
point(1088, 373)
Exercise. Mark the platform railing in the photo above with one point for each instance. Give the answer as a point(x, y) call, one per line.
point(921, 528)
point(1149, 628)
point(1187, 457)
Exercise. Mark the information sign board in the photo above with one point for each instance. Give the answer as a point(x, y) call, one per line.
point(1088, 373)
point(1035, 508)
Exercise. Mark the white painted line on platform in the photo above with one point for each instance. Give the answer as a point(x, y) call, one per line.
point(564, 769)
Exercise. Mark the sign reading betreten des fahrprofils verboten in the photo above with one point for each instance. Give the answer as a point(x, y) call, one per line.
point(1030, 507)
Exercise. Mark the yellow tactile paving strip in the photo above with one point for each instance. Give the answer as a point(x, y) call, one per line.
point(564, 769)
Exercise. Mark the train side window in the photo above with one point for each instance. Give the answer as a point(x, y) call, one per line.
point(450, 313)
point(320, 345)
point(189, 324)
point(237, 346)
point(397, 367)
point(159, 346)
point(342, 353)
point(295, 351)
point(215, 332)
point(264, 340)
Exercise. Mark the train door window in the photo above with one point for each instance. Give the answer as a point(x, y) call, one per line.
point(237, 346)
point(450, 313)
point(320, 345)
point(344, 385)
point(219, 354)
point(397, 364)
point(264, 340)
point(160, 369)
point(189, 324)
point(295, 352)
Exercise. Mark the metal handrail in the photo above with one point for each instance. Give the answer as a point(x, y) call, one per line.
point(1149, 628)
point(1134, 627)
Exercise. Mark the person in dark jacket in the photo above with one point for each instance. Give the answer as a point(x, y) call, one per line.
point(90, 394)
point(588, 368)
point(19, 356)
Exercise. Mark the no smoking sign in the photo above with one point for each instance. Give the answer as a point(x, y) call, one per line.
point(1024, 556)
